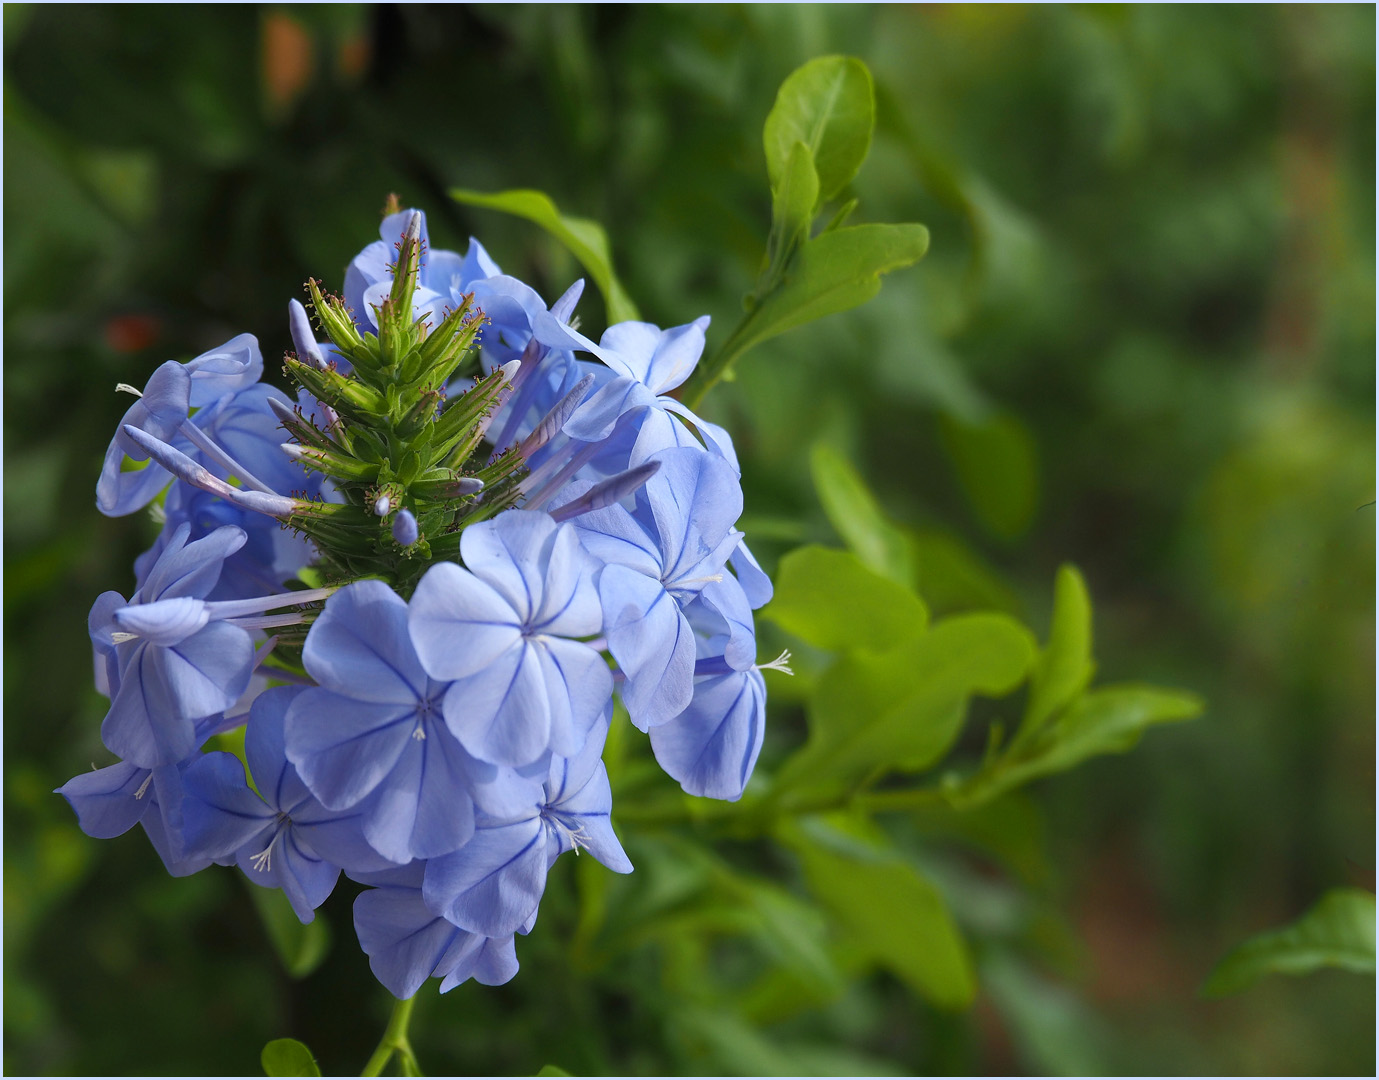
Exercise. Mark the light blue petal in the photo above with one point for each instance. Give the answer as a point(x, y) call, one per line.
point(750, 576)
point(226, 369)
point(490, 961)
point(143, 725)
point(459, 623)
point(305, 878)
point(502, 715)
point(595, 417)
point(405, 943)
point(108, 801)
point(580, 801)
point(713, 745)
point(265, 749)
point(220, 812)
point(492, 885)
point(359, 647)
point(652, 643)
point(208, 671)
point(343, 748)
point(579, 686)
point(423, 809)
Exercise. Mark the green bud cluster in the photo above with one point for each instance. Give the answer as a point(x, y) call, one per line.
point(393, 435)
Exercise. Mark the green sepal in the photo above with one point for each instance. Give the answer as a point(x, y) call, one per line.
point(333, 316)
point(351, 398)
point(446, 347)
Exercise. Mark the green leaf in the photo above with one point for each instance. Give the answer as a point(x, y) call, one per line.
point(831, 600)
point(553, 1070)
point(827, 104)
point(1337, 932)
point(954, 578)
point(288, 1057)
point(300, 946)
point(897, 918)
point(997, 466)
point(1109, 720)
point(1065, 665)
point(586, 239)
point(793, 201)
point(902, 709)
point(833, 272)
point(792, 931)
point(853, 511)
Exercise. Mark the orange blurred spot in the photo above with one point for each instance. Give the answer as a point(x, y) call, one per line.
point(131, 333)
point(287, 58)
point(353, 56)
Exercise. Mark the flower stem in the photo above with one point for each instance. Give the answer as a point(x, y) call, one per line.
point(395, 1041)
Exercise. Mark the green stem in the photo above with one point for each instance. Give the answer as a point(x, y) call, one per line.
point(709, 372)
point(395, 1041)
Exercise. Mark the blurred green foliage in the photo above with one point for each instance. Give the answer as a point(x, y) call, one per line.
point(1142, 340)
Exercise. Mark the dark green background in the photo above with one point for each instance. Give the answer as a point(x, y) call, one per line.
point(1143, 341)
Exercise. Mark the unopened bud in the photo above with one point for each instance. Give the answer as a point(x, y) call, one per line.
point(405, 528)
point(382, 505)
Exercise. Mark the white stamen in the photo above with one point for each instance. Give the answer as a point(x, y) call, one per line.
point(263, 861)
point(419, 733)
point(780, 663)
point(578, 838)
point(158, 512)
point(125, 388)
point(143, 787)
point(119, 637)
point(698, 581)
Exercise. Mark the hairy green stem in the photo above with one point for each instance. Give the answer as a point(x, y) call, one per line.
point(395, 1041)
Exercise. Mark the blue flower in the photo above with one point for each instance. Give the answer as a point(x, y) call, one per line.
point(109, 802)
point(172, 664)
point(170, 657)
point(657, 558)
point(162, 410)
point(502, 630)
point(493, 885)
point(281, 837)
point(407, 943)
point(374, 724)
point(648, 363)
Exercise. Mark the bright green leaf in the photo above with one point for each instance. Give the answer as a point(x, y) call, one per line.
point(300, 946)
point(1109, 720)
point(996, 463)
point(895, 916)
point(553, 1070)
point(902, 709)
point(853, 511)
point(792, 208)
point(1065, 665)
point(827, 104)
point(833, 272)
point(586, 239)
point(831, 600)
point(1337, 932)
point(288, 1057)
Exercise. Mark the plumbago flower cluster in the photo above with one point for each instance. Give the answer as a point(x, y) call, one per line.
point(448, 533)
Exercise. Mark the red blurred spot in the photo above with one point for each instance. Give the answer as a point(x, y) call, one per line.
point(131, 333)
